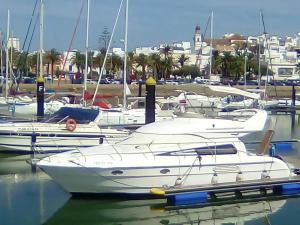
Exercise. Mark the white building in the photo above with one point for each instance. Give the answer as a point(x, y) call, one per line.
point(118, 51)
point(14, 42)
point(146, 50)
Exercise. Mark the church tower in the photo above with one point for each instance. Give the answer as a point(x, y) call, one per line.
point(197, 38)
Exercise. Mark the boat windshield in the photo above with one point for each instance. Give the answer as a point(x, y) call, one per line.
point(81, 115)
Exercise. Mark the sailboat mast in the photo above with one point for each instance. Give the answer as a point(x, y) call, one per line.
point(1, 56)
point(86, 48)
point(259, 42)
point(7, 40)
point(41, 74)
point(211, 41)
point(245, 69)
point(125, 57)
point(259, 66)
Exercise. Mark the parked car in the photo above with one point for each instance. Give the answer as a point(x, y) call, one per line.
point(28, 80)
point(90, 81)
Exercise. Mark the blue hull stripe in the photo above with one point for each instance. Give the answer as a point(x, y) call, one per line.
point(51, 135)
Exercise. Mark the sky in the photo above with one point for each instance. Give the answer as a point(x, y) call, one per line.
point(150, 22)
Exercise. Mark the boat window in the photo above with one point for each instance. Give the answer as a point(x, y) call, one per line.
point(219, 150)
point(117, 172)
point(81, 115)
point(207, 150)
point(190, 93)
point(165, 171)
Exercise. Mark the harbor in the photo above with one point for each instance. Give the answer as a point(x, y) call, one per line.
point(50, 204)
point(153, 119)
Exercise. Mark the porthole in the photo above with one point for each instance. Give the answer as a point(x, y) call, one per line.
point(117, 172)
point(165, 171)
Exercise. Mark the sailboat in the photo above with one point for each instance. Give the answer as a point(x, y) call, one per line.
point(123, 115)
point(68, 129)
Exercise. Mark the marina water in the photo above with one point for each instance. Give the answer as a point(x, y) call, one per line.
point(30, 197)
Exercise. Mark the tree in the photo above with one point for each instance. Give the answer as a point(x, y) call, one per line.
point(142, 61)
point(166, 51)
point(79, 60)
point(193, 70)
point(90, 62)
point(99, 60)
point(168, 67)
point(104, 37)
point(116, 63)
point(52, 56)
point(182, 59)
point(32, 62)
point(130, 62)
point(155, 62)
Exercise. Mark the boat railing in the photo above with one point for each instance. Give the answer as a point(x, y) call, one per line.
point(175, 149)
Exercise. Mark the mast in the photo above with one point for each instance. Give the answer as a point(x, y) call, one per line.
point(10, 60)
point(86, 49)
point(259, 40)
point(125, 57)
point(1, 56)
point(41, 74)
point(245, 69)
point(7, 39)
point(259, 66)
point(211, 36)
point(108, 47)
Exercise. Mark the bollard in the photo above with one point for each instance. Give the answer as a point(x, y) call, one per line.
point(140, 88)
point(140, 104)
point(40, 97)
point(150, 100)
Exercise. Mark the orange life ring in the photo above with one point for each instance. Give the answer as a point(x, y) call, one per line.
point(71, 124)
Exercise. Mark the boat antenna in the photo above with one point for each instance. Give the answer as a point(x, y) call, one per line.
point(108, 47)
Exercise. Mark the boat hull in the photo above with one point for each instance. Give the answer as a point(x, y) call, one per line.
point(76, 177)
point(27, 138)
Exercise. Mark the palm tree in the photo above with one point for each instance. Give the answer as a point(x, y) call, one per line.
point(99, 60)
point(52, 57)
point(166, 51)
point(116, 63)
point(79, 60)
point(90, 62)
point(168, 66)
point(156, 64)
point(142, 61)
point(32, 62)
point(182, 59)
point(130, 62)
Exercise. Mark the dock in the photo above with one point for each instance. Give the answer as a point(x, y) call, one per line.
point(207, 194)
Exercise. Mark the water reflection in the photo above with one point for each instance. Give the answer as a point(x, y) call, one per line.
point(15, 164)
point(29, 199)
point(148, 212)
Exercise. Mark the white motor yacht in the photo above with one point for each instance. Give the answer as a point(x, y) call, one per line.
point(193, 100)
point(68, 129)
point(174, 153)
